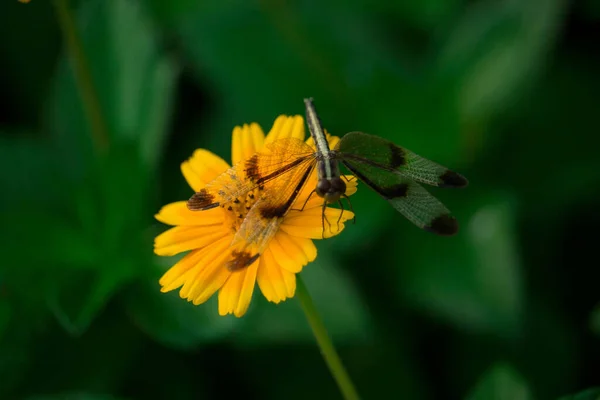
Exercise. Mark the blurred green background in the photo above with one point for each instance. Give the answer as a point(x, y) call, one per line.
point(505, 92)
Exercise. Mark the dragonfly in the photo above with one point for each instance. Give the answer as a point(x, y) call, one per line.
point(267, 184)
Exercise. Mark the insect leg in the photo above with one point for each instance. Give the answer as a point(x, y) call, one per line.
point(307, 199)
point(350, 206)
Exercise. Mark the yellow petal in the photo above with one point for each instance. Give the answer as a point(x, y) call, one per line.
point(308, 191)
point(285, 126)
point(292, 253)
point(201, 168)
point(351, 184)
point(307, 246)
point(210, 277)
point(247, 140)
point(178, 214)
point(184, 238)
point(176, 275)
point(332, 140)
point(276, 283)
point(187, 270)
point(310, 223)
point(236, 293)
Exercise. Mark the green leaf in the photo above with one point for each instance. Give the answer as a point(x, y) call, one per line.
point(78, 265)
point(35, 264)
point(169, 12)
point(30, 167)
point(173, 321)
point(16, 350)
point(496, 48)
point(76, 396)
point(134, 80)
point(355, 87)
point(113, 204)
point(60, 244)
point(590, 394)
point(5, 312)
point(499, 383)
point(337, 300)
point(76, 298)
point(475, 278)
point(27, 62)
point(595, 320)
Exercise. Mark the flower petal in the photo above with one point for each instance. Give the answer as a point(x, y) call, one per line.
point(285, 126)
point(247, 140)
point(310, 224)
point(210, 277)
point(202, 167)
point(187, 270)
point(332, 140)
point(276, 283)
point(178, 214)
point(292, 253)
point(177, 274)
point(307, 246)
point(184, 238)
point(351, 184)
point(236, 293)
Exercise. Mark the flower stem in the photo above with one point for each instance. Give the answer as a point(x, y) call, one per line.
point(324, 341)
point(83, 75)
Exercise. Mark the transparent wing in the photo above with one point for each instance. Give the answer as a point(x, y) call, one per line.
point(278, 159)
point(264, 218)
point(388, 156)
point(406, 196)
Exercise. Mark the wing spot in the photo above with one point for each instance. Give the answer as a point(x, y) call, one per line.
point(444, 225)
point(252, 168)
point(274, 212)
point(202, 200)
point(394, 191)
point(241, 260)
point(453, 179)
point(397, 156)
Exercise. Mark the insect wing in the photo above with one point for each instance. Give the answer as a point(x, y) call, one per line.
point(406, 196)
point(388, 156)
point(276, 160)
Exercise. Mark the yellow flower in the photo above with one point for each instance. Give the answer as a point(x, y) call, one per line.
point(208, 234)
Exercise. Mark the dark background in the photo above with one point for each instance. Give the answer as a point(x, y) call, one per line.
point(505, 92)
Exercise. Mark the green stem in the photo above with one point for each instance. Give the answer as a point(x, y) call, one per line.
point(327, 350)
point(83, 75)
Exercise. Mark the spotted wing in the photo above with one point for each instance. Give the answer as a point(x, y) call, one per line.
point(405, 195)
point(264, 218)
point(278, 159)
point(386, 155)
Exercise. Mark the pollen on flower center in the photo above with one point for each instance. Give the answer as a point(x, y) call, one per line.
point(236, 211)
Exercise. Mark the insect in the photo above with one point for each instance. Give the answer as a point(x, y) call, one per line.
point(268, 184)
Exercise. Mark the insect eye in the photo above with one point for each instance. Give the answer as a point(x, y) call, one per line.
point(322, 187)
point(338, 186)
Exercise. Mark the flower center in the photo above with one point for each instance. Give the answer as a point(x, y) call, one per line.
point(236, 211)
